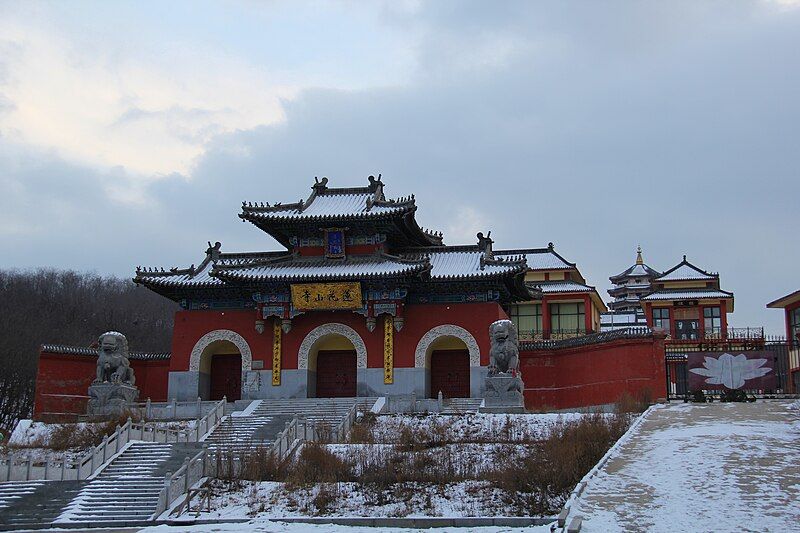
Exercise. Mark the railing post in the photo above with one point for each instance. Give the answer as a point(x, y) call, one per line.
point(148, 410)
point(199, 407)
point(174, 408)
point(105, 449)
point(29, 469)
point(64, 469)
point(47, 469)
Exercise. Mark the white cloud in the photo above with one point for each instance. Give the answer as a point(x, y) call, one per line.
point(110, 109)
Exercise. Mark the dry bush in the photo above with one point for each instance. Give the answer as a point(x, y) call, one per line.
point(362, 432)
point(542, 480)
point(629, 403)
point(316, 464)
point(326, 496)
point(261, 464)
point(413, 439)
point(71, 436)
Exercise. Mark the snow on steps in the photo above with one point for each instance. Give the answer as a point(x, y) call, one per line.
point(127, 490)
point(261, 421)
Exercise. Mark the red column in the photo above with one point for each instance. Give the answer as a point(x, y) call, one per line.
point(648, 314)
point(702, 323)
point(723, 313)
point(587, 313)
point(546, 328)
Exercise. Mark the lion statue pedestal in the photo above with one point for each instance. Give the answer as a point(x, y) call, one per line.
point(504, 385)
point(113, 392)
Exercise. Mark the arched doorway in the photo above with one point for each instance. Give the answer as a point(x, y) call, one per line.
point(449, 364)
point(451, 359)
point(334, 357)
point(220, 357)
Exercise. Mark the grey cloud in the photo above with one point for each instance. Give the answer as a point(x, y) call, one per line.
point(606, 127)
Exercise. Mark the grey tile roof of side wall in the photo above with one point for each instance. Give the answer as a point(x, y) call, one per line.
point(80, 350)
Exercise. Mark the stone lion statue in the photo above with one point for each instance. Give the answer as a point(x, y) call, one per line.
point(504, 351)
point(112, 360)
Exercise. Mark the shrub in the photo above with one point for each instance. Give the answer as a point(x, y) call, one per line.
point(316, 464)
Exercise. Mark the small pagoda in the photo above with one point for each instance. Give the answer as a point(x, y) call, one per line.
point(631, 284)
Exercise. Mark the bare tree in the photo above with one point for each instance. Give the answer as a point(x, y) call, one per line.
point(66, 307)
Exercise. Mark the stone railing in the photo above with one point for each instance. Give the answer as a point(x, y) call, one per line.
point(22, 467)
point(172, 409)
point(179, 483)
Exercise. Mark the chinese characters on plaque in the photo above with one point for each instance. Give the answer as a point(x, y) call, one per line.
point(315, 296)
point(334, 243)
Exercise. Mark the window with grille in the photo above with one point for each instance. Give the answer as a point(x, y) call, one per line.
point(712, 320)
point(527, 318)
point(661, 318)
point(568, 317)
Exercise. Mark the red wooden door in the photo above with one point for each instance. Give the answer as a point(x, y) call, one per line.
point(450, 373)
point(226, 377)
point(336, 374)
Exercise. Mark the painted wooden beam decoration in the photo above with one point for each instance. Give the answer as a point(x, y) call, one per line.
point(388, 349)
point(276, 352)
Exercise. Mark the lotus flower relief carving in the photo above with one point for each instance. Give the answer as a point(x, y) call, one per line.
point(731, 371)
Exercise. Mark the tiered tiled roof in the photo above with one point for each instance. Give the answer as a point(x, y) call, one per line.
point(332, 206)
point(466, 262)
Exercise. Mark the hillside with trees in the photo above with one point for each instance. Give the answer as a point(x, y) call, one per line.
point(66, 307)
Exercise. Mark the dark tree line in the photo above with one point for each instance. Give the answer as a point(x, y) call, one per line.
point(64, 307)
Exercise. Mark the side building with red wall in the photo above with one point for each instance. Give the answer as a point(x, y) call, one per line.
point(65, 373)
point(592, 371)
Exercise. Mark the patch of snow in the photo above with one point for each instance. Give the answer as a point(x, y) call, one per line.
point(710, 467)
point(263, 525)
point(247, 411)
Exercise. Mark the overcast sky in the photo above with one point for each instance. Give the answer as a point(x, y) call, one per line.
point(130, 133)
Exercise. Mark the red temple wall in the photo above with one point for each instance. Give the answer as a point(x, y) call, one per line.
point(593, 375)
point(190, 326)
point(62, 382)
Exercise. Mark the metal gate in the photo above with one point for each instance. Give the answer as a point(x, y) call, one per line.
point(677, 373)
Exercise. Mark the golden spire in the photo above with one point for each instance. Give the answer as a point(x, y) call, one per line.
point(639, 260)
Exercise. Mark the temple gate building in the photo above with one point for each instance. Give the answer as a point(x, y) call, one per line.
point(362, 301)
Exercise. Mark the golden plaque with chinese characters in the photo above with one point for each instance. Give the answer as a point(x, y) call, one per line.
point(320, 296)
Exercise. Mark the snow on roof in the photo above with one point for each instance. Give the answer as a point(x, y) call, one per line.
point(687, 294)
point(467, 264)
point(636, 270)
point(549, 287)
point(540, 258)
point(686, 271)
point(290, 269)
point(80, 350)
point(335, 205)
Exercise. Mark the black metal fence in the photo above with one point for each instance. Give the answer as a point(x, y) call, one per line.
point(677, 373)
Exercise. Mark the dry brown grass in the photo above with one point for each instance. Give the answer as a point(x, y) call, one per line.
point(630, 403)
point(547, 473)
point(316, 464)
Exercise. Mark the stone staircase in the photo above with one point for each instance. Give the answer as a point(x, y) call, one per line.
point(31, 504)
point(269, 418)
point(453, 406)
point(127, 490)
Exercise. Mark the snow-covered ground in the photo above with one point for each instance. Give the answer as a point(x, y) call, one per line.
point(708, 467)
point(30, 439)
point(472, 427)
point(274, 500)
point(267, 526)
